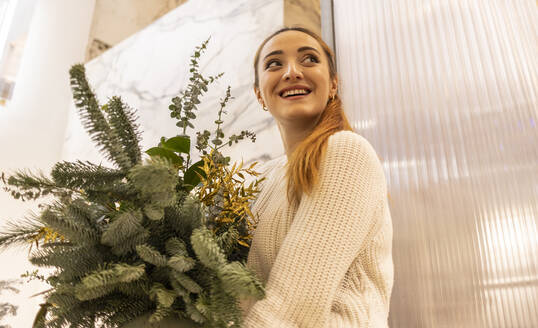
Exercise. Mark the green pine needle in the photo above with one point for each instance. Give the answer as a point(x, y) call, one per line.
point(150, 255)
point(207, 249)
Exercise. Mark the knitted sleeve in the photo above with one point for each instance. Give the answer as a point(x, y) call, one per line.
point(328, 231)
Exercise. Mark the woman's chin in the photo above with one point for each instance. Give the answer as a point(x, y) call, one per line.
point(302, 115)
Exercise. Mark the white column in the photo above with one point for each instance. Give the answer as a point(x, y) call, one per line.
point(32, 128)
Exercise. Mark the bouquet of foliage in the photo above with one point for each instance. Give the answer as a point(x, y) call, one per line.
point(155, 238)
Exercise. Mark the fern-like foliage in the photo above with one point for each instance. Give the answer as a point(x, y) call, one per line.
point(151, 238)
point(95, 121)
point(84, 175)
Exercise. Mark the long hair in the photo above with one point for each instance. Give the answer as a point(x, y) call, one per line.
point(303, 165)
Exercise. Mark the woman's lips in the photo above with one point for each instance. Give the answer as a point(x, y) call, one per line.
point(295, 97)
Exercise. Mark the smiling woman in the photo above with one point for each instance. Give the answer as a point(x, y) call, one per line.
point(294, 62)
point(325, 250)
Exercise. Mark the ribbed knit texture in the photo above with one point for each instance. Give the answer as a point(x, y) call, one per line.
point(327, 262)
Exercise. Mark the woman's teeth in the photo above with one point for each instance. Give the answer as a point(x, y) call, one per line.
point(294, 93)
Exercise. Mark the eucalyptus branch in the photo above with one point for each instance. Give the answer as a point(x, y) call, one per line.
point(218, 133)
point(182, 107)
point(25, 186)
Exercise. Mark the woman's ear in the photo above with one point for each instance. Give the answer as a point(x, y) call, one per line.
point(258, 95)
point(334, 86)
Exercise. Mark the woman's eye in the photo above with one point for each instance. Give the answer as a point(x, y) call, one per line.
point(314, 58)
point(270, 62)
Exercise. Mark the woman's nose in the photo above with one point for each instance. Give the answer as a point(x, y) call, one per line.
point(292, 72)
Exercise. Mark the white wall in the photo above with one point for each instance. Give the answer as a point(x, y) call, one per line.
point(32, 128)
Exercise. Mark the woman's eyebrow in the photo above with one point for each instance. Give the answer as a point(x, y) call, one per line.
point(279, 52)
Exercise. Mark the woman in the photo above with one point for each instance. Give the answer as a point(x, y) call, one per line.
point(323, 242)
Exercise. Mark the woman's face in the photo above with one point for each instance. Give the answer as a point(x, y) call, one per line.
point(294, 60)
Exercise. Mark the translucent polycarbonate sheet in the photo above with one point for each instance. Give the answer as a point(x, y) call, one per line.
point(446, 93)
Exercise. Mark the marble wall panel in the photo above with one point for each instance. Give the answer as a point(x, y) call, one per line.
point(114, 21)
point(151, 67)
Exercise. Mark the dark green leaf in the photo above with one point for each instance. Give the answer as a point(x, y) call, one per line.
point(191, 177)
point(178, 144)
point(165, 153)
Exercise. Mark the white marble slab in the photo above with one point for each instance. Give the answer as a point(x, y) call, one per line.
point(148, 69)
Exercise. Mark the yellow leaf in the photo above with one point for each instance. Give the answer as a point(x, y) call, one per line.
point(247, 210)
point(252, 165)
point(242, 243)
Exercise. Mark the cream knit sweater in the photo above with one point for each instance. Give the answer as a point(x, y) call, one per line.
point(327, 262)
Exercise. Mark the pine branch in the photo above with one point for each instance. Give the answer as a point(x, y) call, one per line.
point(156, 182)
point(39, 320)
point(123, 310)
point(176, 246)
point(181, 263)
point(123, 233)
point(238, 280)
point(137, 289)
point(114, 192)
point(159, 314)
point(63, 299)
point(186, 282)
point(223, 308)
point(150, 255)
point(202, 304)
point(164, 297)
point(207, 249)
point(105, 281)
point(70, 221)
point(19, 233)
point(184, 218)
point(84, 175)
point(86, 215)
point(195, 314)
point(72, 261)
point(123, 122)
point(228, 240)
point(127, 245)
point(94, 121)
point(29, 186)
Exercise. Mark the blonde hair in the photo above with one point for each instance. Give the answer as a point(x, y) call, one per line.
point(303, 164)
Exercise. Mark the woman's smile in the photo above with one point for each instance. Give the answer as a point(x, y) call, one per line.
point(296, 97)
point(294, 94)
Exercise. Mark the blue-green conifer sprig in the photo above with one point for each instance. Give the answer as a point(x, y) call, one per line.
point(94, 120)
point(84, 175)
point(72, 221)
point(123, 121)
